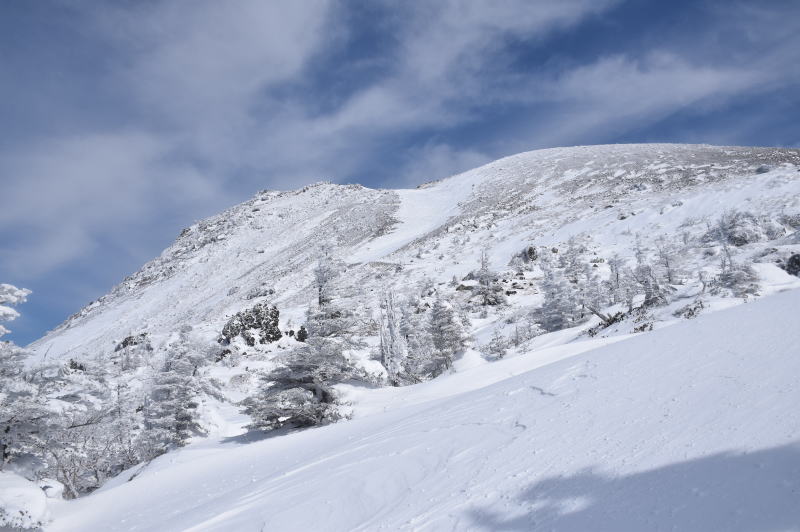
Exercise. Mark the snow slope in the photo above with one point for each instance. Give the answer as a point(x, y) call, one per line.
point(693, 426)
point(397, 238)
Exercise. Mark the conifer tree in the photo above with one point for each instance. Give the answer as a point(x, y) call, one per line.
point(561, 303)
point(392, 345)
point(489, 291)
point(300, 393)
point(447, 337)
point(170, 410)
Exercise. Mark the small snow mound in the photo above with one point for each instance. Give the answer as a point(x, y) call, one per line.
point(23, 505)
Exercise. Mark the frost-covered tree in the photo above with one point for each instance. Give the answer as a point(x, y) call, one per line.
point(325, 273)
point(616, 285)
point(132, 352)
point(392, 343)
point(10, 296)
point(489, 291)
point(170, 410)
point(22, 407)
point(417, 339)
point(447, 336)
point(299, 393)
point(668, 259)
point(572, 262)
point(328, 319)
point(498, 345)
point(561, 306)
point(738, 279)
point(648, 280)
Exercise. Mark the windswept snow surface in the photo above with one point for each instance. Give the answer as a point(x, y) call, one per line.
point(690, 427)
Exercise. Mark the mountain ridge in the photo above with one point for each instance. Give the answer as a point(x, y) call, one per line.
point(349, 217)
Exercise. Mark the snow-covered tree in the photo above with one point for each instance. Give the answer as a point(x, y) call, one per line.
point(498, 345)
point(299, 393)
point(417, 339)
point(668, 259)
point(170, 408)
point(328, 319)
point(489, 291)
point(325, 273)
point(22, 407)
point(647, 278)
point(392, 344)
point(10, 296)
point(561, 306)
point(447, 336)
point(572, 262)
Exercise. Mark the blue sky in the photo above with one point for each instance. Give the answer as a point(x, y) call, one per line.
point(127, 121)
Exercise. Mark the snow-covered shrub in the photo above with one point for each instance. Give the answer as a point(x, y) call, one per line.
point(330, 321)
point(261, 320)
point(140, 339)
point(793, 265)
point(259, 291)
point(791, 220)
point(497, 346)
point(738, 280)
point(690, 311)
point(739, 228)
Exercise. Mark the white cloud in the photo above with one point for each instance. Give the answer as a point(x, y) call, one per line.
point(436, 161)
point(618, 92)
point(65, 195)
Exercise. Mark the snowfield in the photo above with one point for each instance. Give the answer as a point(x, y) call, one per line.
point(694, 426)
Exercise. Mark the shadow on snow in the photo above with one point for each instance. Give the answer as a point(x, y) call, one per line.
point(757, 490)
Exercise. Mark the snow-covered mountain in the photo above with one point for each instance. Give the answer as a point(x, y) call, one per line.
point(601, 380)
point(266, 248)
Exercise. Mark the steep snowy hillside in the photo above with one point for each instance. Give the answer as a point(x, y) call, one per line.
point(265, 249)
point(416, 309)
point(693, 427)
